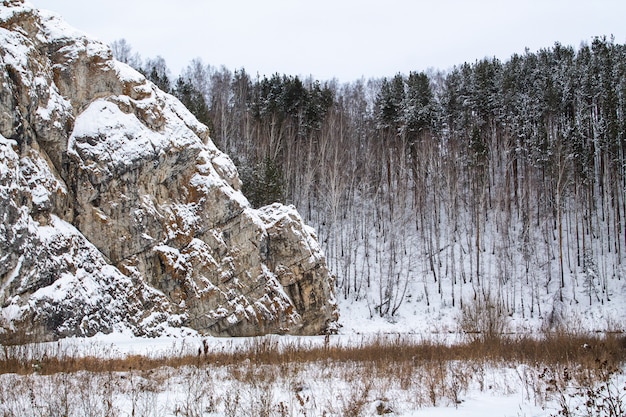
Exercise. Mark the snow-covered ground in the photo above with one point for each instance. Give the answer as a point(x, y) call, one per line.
point(239, 391)
point(421, 388)
point(298, 389)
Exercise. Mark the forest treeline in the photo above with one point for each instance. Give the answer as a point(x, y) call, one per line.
point(495, 181)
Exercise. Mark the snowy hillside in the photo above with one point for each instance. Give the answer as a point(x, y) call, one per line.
point(497, 185)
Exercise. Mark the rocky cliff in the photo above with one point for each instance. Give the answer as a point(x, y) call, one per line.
point(118, 212)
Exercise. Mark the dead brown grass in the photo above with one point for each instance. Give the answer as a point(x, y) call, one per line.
point(381, 352)
point(385, 374)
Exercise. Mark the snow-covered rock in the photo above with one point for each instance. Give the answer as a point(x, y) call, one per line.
point(119, 212)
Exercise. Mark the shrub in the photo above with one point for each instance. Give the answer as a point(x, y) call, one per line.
point(483, 320)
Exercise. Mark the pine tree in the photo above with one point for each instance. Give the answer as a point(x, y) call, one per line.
point(156, 71)
point(418, 107)
point(193, 100)
point(263, 184)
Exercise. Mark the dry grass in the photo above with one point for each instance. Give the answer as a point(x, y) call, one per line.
point(381, 352)
point(272, 377)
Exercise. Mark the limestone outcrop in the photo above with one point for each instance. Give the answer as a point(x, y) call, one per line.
point(118, 212)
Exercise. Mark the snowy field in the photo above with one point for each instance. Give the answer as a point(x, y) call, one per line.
point(309, 388)
point(294, 388)
point(311, 391)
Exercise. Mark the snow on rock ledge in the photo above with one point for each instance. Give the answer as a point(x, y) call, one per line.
point(118, 212)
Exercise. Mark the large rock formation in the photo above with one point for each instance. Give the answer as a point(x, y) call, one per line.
point(119, 212)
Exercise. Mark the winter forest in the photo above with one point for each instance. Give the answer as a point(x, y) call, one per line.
point(493, 183)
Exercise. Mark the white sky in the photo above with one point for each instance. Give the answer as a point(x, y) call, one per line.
point(343, 39)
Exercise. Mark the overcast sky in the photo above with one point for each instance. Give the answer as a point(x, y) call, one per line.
point(344, 39)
